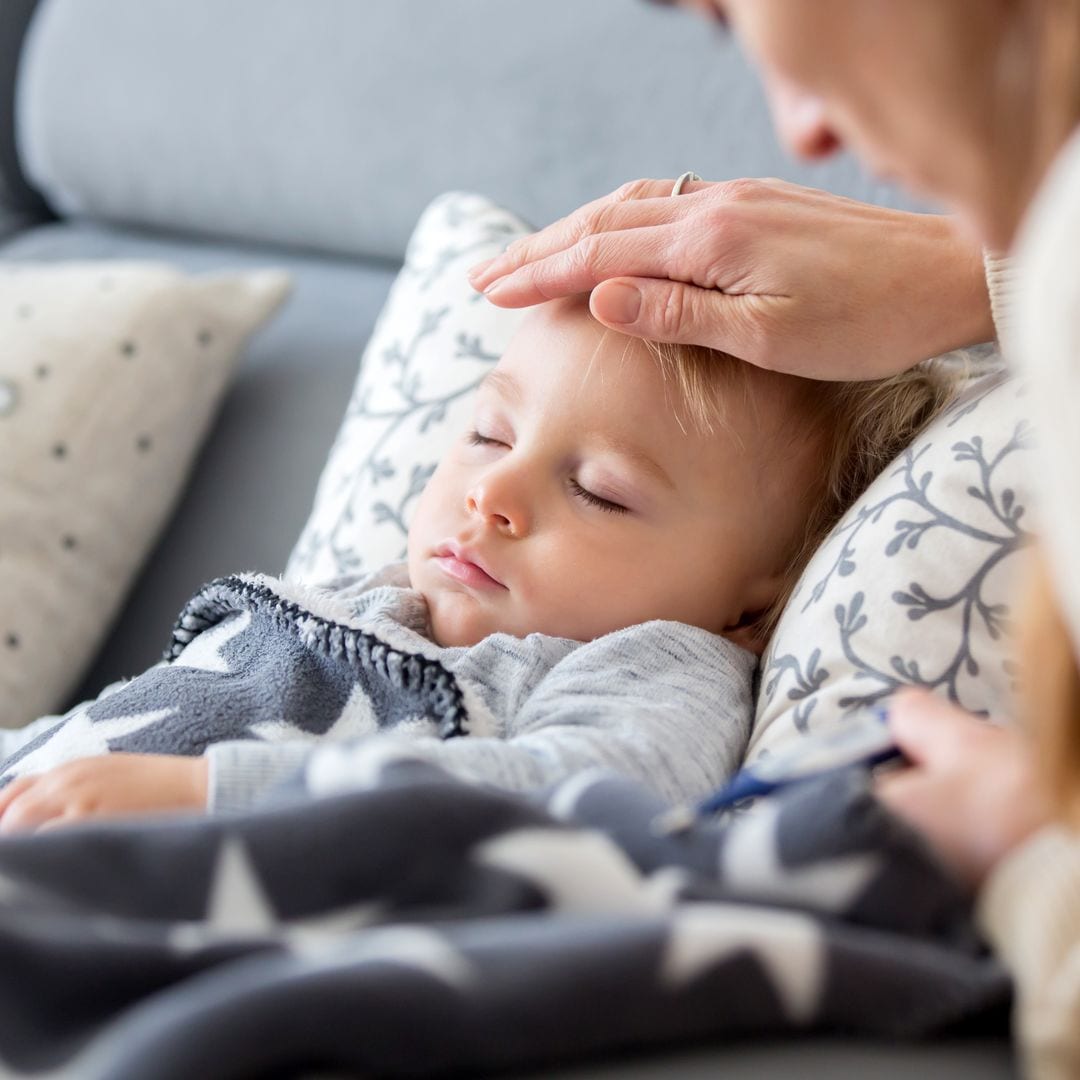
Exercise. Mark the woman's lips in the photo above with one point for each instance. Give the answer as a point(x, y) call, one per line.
point(461, 568)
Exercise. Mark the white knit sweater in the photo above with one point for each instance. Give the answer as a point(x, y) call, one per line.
point(1030, 906)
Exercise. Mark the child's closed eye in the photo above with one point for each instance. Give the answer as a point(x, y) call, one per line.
point(592, 499)
point(474, 438)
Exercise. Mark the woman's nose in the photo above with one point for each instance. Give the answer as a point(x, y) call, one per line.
point(498, 500)
point(800, 119)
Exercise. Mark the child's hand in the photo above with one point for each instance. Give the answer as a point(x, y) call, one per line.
point(105, 786)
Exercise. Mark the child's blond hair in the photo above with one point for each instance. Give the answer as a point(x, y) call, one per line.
point(860, 426)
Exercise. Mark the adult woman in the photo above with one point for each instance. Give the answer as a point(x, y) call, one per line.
point(975, 103)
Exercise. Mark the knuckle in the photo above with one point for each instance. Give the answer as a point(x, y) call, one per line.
point(714, 250)
point(598, 220)
point(519, 249)
point(722, 226)
point(672, 312)
point(742, 189)
point(632, 189)
point(590, 255)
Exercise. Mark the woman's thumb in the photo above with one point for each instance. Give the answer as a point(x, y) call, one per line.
point(661, 311)
point(923, 725)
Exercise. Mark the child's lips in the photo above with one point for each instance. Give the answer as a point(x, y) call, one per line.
point(465, 566)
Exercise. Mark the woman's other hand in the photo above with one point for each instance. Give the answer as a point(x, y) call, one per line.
point(106, 786)
point(970, 788)
point(787, 277)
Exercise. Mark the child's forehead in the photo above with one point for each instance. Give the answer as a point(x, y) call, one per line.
point(562, 355)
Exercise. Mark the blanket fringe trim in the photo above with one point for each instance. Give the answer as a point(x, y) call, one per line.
point(362, 651)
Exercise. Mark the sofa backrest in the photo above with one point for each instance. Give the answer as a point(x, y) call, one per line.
point(17, 197)
point(329, 124)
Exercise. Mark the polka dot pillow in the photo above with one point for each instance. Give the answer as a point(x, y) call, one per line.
point(916, 585)
point(109, 375)
point(435, 339)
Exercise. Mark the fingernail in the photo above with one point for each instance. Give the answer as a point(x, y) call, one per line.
point(617, 303)
point(495, 286)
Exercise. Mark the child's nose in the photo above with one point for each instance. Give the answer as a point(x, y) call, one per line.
point(496, 501)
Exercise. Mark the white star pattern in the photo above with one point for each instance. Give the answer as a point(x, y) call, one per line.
point(238, 907)
point(750, 862)
point(357, 718)
point(579, 871)
point(204, 652)
point(789, 946)
point(83, 737)
point(237, 900)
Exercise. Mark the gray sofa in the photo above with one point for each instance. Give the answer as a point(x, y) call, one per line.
point(309, 135)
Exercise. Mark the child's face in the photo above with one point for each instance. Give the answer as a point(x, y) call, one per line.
point(578, 505)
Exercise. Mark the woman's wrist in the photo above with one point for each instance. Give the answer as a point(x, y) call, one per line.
point(965, 314)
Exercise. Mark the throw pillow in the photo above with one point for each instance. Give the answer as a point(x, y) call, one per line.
point(433, 343)
point(109, 376)
point(915, 586)
point(912, 587)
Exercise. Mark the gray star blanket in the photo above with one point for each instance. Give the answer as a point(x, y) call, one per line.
point(419, 925)
point(379, 914)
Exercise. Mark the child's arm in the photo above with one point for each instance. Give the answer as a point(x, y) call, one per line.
point(662, 703)
point(109, 785)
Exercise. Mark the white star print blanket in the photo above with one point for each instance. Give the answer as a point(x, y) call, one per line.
point(418, 925)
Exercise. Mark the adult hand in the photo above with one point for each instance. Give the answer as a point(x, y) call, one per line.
point(971, 788)
point(105, 786)
point(784, 276)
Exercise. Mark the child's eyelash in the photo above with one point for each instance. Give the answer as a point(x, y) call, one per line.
point(474, 438)
point(594, 500)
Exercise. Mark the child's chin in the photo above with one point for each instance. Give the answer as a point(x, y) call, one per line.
point(452, 627)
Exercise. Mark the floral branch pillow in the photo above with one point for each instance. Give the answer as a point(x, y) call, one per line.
point(434, 341)
point(109, 375)
point(916, 586)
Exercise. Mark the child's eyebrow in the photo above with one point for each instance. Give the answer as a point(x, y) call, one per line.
point(503, 383)
point(507, 387)
point(638, 456)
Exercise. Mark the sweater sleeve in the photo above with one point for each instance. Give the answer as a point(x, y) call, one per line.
point(664, 704)
point(1001, 284)
point(1030, 911)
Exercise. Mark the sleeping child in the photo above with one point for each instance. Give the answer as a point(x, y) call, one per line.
point(592, 571)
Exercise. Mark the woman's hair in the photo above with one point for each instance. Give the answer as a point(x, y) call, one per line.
point(1050, 691)
point(1050, 694)
point(858, 427)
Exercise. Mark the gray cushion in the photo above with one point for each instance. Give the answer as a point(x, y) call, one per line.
point(332, 123)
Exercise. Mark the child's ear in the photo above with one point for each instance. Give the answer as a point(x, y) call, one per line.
point(752, 628)
point(750, 632)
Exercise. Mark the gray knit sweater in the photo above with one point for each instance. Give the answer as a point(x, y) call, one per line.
point(263, 674)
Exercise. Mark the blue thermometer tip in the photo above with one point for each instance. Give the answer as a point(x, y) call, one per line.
point(862, 741)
